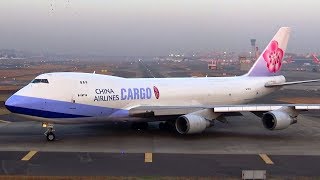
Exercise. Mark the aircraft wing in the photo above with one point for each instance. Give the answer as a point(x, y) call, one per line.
point(151, 111)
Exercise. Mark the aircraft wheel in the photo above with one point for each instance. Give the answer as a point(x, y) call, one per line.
point(144, 125)
point(166, 126)
point(162, 126)
point(51, 136)
point(140, 125)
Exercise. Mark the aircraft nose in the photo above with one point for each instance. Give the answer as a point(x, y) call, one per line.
point(11, 103)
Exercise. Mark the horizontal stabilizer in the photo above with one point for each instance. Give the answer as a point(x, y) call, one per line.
point(272, 84)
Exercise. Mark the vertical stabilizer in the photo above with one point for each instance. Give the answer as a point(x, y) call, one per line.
point(315, 59)
point(270, 60)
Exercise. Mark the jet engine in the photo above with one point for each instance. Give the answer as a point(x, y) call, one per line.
point(190, 124)
point(277, 120)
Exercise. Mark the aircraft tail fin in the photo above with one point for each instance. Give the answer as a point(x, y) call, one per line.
point(270, 60)
point(315, 59)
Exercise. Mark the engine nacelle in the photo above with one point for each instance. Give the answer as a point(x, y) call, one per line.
point(277, 120)
point(190, 124)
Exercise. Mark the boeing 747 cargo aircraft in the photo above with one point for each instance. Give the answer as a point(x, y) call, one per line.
point(189, 105)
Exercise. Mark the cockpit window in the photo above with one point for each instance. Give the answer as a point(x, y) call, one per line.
point(40, 81)
point(44, 81)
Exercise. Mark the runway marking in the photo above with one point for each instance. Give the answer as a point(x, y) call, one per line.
point(148, 157)
point(266, 158)
point(29, 156)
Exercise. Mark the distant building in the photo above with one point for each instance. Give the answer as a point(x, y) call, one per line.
point(253, 48)
point(213, 65)
point(245, 63)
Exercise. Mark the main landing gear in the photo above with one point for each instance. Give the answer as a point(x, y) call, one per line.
point(140, 125)
point(167, 126)
point(49, 133)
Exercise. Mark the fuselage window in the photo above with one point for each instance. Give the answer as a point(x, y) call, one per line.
point(40, 81)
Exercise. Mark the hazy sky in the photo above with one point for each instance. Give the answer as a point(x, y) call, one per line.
point(155, 27)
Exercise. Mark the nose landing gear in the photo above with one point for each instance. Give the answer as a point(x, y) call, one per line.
point(49, 133)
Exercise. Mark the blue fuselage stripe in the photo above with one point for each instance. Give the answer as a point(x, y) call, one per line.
point(48, 108)
point(41, 113)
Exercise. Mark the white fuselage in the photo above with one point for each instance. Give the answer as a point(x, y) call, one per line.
point(74, 96)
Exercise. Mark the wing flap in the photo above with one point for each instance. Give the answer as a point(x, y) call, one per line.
point(307, 107)
point(142, 111)
point(151, 111)
point(248, 108)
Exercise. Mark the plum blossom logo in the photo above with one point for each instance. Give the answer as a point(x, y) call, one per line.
point(273, 56)
point(156, 92)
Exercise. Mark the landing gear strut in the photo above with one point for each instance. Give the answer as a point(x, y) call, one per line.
point(49, 133)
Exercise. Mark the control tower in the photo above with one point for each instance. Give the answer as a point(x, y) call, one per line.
point(247, 62)
point(253, 47)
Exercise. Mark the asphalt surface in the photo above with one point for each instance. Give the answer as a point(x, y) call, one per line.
point(116, 150)
point(133, 164)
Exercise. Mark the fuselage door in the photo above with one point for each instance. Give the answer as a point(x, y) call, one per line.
point(81, 93)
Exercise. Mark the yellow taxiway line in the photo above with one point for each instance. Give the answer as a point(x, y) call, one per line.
point(266, 158)
point(29, 156)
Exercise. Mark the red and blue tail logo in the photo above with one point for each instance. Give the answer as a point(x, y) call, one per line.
point(156, 92)
point(273, 56)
